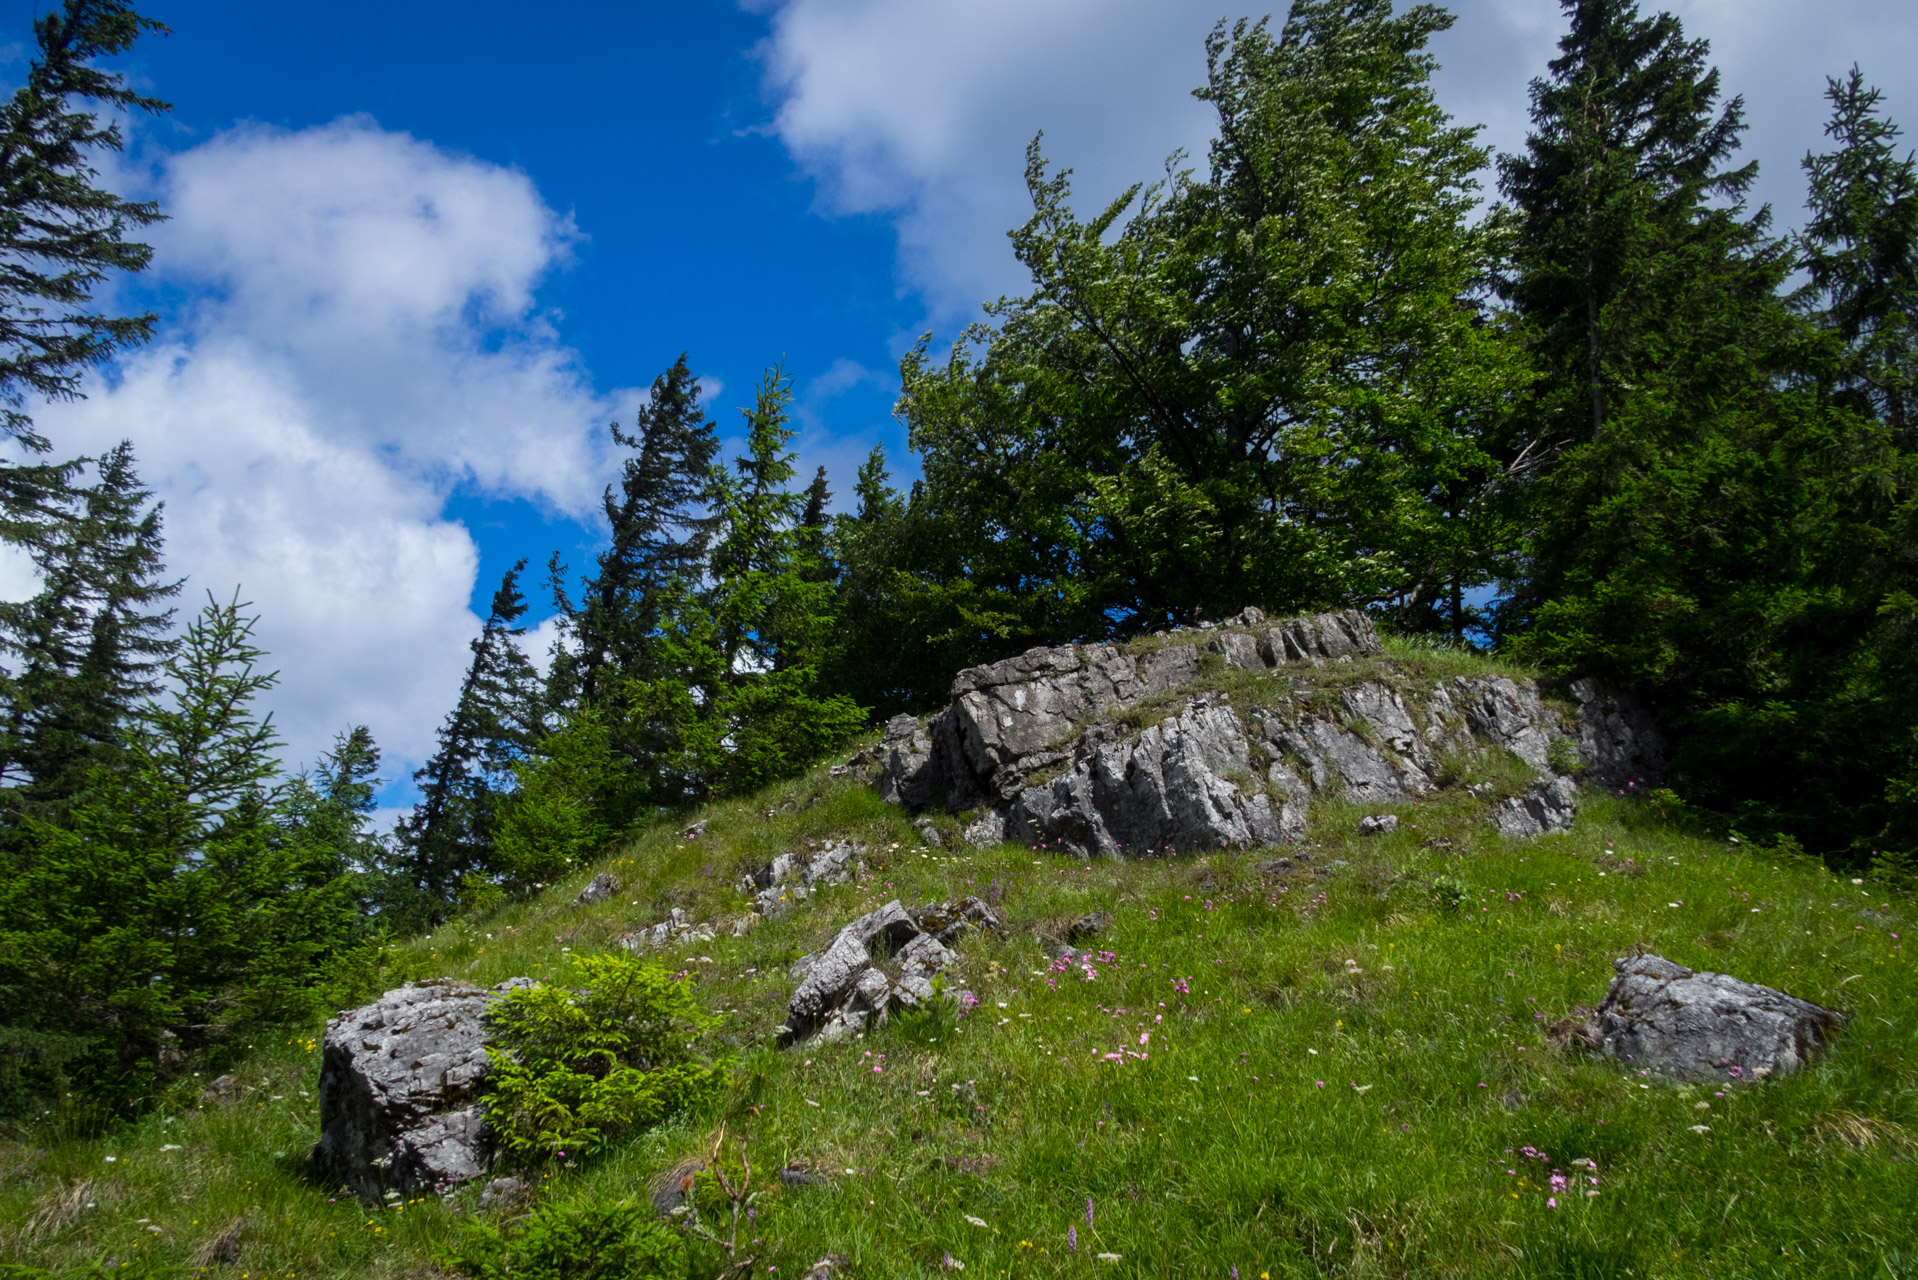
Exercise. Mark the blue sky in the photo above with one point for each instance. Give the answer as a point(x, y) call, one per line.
point(421, 252)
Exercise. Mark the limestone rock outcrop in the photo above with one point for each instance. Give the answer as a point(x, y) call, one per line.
point(399, 1081)
point(1663, 1017)
point(843, 989)
point(793, 877)
point(1052, 749)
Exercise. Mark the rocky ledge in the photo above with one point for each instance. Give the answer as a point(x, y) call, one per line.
point(1045, 745)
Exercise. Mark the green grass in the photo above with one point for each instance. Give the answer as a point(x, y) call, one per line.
point(1429, 1026)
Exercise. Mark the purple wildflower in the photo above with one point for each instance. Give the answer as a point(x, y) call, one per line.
point(1072, 1238)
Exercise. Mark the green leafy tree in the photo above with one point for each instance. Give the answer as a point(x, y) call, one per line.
point(497, 720)
point(1275, 384)
point(61, 235)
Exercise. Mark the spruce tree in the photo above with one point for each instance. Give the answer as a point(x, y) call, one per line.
point(1652, 295)
point(1860, 249)
point(187, 895)
point(497, 720)
point(60, 235)
point(659, 530)
point(84, 651)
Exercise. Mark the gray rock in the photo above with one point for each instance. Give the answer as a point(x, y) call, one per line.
point(1616, 736)
point(1507, 713)
point(988, 829)
point(837, 863)
point(695, 830)
point(1664, 1017)
point(891, 925)
point(1378, 824)
point(1169, 668)
point(929, 833)
point(1239, 649)
point(1549, 806)
point(1321, 638)
point(950, 921)
point(1090, 925)
point(1161, 792)
point(604, 886)
point(504, 1193)
point(925, 956)
point(672, 1189)
point(1337, 759)
point(829, 982)
point(399, 1082)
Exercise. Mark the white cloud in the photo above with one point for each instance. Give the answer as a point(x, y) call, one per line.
point(921, 112)
point(359, 337)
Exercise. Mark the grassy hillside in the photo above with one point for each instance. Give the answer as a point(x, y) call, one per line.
point(1348, 1069)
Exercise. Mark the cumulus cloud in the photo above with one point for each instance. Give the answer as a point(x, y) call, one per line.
point(921, 112)
point(358, 337)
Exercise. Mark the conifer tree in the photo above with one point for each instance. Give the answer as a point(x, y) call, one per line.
point(1860, 250)
point(186, 895)
point(86, 649)
point(60, 235)
point(497, 720)
point(659, 531)
point(1652, 295)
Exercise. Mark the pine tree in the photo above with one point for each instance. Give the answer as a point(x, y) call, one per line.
point(86, 649)
point(1860, 250)
point(497, 720)
point(60, 235)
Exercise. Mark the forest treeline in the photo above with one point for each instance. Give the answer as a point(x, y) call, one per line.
point(1595, 412)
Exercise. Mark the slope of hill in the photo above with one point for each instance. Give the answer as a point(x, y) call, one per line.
point(1349, 1056)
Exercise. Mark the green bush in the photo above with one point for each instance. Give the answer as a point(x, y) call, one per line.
point(580, 1241)
point(572, 1069)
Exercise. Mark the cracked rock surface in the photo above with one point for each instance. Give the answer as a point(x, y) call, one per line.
point(399, 1082)
point(1663, 1017)
point(885, 958)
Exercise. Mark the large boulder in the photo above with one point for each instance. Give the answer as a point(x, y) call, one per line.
point(1663, 1017)
point(1051, 740)
point(399, 1089)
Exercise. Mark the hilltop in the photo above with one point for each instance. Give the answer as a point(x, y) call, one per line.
point(1316, 1044)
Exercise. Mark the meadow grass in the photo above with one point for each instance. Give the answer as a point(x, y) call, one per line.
point(1357, 1066)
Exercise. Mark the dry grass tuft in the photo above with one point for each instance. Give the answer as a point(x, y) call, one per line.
point(222, 1250)
point(1861, 1133)
point(60, 1209)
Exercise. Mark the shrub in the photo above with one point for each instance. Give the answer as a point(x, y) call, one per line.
point(574, 1068)
point(577, 1241)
